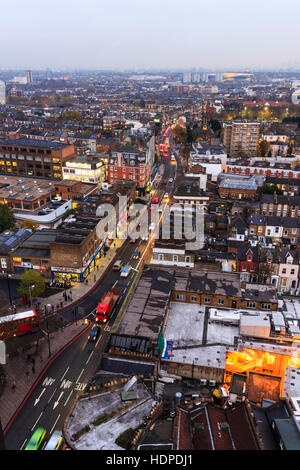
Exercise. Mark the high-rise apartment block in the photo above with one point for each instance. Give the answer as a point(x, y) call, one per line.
point(241, 138)
point(2, 92)
point(29, 76)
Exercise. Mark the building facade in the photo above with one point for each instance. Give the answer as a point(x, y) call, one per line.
point(34, 157)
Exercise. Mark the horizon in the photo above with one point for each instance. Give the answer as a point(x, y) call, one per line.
point(149, 36)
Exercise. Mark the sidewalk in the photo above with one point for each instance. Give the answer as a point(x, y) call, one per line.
point(20, 369)
point(81, 289)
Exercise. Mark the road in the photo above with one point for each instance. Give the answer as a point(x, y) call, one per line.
point(53, 396)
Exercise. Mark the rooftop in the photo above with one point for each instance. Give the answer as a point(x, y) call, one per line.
point(35, 143)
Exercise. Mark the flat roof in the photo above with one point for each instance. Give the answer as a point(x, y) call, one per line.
point(23, 188)
point(50, 144)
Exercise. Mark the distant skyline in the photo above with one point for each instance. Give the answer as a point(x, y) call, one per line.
point(150, 34)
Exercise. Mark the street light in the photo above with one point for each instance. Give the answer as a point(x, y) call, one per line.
point(30, 295)
point(8, 276)
point(47, 326)
point(94, 261)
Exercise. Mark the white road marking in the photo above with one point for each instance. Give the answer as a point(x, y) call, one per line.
point(55, 424)
point(65, 372)
point(52, 394)
point(57, 401)
point(23, 444)
point(89, 356)
point(36, 421)
point(38, 399)
point(98, 340)
point(79, 375)
point(115, 283)
point(68, 397)
point(48, 381)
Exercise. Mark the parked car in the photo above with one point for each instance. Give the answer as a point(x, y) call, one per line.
point(132, 240)
point(136, 255)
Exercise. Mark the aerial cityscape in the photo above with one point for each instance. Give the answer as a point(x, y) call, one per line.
point(149, 229)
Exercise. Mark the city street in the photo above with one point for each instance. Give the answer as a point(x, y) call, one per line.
point(53, 396)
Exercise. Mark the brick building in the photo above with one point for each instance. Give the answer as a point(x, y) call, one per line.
point(130, 164)
point(33, 157)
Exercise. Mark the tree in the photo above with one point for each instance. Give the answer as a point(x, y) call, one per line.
point(72, 116)
point(271, 189)
point(32, 278)
point(263, 148)
point(7, 218)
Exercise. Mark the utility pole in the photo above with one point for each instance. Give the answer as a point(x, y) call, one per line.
point(8, 286)
point(48, 334)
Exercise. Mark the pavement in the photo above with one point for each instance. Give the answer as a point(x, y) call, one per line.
point(24, 372)
point(79, 289)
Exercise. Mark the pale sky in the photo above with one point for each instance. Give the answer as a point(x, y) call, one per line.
point(162, 34)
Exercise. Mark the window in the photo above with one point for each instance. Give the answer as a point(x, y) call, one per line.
point(175, 258)
point(180, 297)
point(251, 305)
point(266, 306)
point(193, 298)
point(206, 300)
point(187, 259)
point(221, 301)
point(160, 257)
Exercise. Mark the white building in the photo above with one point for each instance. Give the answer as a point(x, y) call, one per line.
point(2, 92)
point(296, 96)
point(85, 168)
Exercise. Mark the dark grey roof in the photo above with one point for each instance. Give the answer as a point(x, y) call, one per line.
point(10, 239)
point(33, 143)
point(257, 219)
point(127, 367)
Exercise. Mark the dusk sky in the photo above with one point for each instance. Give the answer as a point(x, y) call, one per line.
point(145, 34)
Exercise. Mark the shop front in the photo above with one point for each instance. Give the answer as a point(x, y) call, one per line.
point(72, 275)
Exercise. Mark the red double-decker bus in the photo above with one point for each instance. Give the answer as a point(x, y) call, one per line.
point(18, 324)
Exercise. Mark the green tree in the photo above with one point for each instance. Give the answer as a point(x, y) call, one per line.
point(71, 116)
point(32, 278)
point(7, 218)
point(263, 148)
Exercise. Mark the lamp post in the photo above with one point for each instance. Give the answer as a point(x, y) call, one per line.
point(8, 276)
point(30, 293)
point(47, 325)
